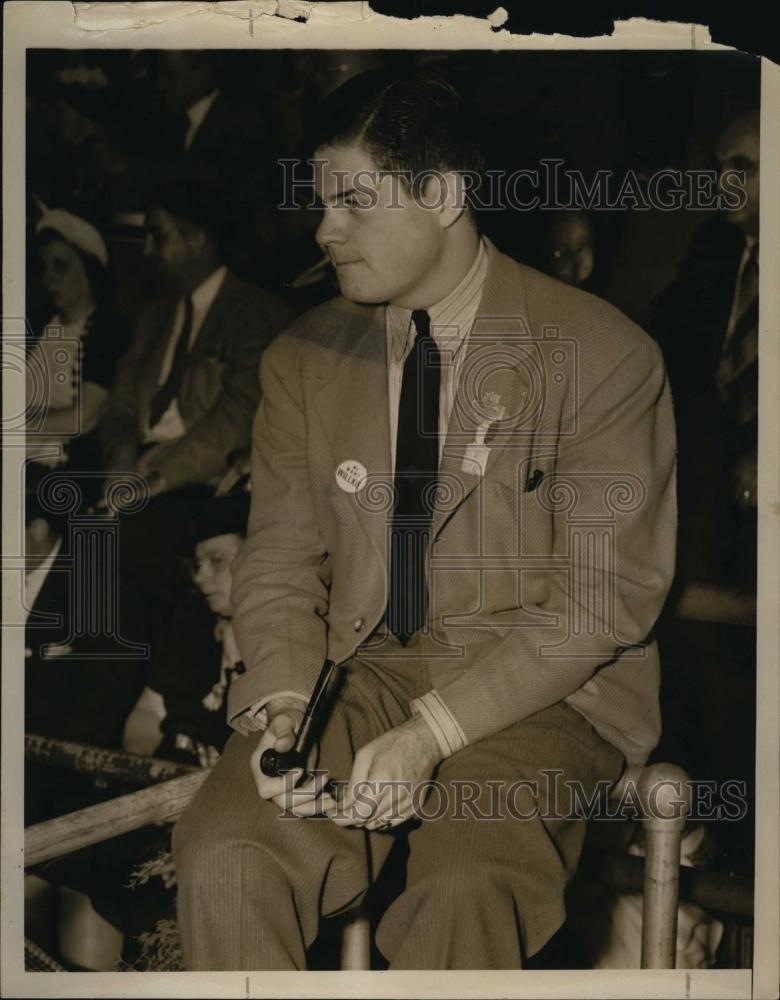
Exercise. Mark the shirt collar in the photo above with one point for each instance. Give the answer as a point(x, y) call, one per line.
point(444, 314)
point(34, 580)
point(198, 111)
point(204, 295)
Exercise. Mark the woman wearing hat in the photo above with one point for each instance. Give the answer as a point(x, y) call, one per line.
point(71, 365)
point(181, 715)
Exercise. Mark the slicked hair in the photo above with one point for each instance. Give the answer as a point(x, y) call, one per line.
point(412, 123)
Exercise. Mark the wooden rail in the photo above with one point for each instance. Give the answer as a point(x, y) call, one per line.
point(716, 892)
point(110, 765)
point(663, 791)
point(706, 602)
point(161, 803)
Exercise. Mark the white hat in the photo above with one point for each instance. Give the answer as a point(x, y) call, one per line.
point(75, 230)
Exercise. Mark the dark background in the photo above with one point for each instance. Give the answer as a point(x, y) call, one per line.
point(623, 110)
point(750, 26)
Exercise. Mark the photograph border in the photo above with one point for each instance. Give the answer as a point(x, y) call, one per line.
point(344, 26)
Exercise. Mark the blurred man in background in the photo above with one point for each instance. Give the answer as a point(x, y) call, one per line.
point(706, 322)
point(186, 391)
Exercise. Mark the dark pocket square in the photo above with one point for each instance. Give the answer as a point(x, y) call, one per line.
point(533, 480)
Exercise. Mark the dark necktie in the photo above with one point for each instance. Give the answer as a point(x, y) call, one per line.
point(170, 388)
point(416, 468)
point(737, 375)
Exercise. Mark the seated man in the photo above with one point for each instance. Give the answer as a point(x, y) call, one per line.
point(186, 390)
point(475, 521)
point(185, 393)
point(706, 323)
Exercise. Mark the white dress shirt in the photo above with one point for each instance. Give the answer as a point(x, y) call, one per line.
point(170, 425)
point(196, 114)
point(451, 320)
point(750, 242)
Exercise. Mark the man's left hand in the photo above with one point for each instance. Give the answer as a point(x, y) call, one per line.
point(380, 793)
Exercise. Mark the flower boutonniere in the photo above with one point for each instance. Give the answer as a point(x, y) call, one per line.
point(476, 456)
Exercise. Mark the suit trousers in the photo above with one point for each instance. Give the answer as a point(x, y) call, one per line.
point(488, 862)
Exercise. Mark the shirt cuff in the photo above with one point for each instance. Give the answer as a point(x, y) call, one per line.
point(255, 718)
point(442, 722)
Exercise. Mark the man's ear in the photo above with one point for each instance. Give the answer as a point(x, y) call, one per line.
point(585, 264)
point(197, 239)
point(445, 193)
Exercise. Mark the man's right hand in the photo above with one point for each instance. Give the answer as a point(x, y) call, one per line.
point(306, 799)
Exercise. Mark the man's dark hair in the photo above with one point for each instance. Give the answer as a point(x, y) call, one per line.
point(197, 199)
point(412, 123)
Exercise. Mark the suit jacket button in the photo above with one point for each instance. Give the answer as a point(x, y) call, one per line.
point(358, 624)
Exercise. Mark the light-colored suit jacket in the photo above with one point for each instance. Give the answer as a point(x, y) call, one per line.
point(550, 557)
point(219, 390)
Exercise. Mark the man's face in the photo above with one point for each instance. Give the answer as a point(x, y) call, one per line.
point(170, 246)
point(213, 578)
point(738, 150)
point(569, 250)
point(383, 244)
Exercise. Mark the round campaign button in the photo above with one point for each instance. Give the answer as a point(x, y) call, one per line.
point(351, 475)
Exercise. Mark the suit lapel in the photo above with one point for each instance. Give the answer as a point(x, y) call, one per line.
point(48, 615)
point(208, 130)
point(213, 320)
point(159, 334)
point(354, 409)
point(493, 379)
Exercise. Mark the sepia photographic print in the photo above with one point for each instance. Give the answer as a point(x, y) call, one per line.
point(390, 491)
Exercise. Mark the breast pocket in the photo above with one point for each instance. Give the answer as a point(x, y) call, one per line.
point(527, 478)
point(517, 519)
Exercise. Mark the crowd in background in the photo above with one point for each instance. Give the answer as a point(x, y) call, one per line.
point(159, 267)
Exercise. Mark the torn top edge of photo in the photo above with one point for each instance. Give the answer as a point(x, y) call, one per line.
point(278, 17)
